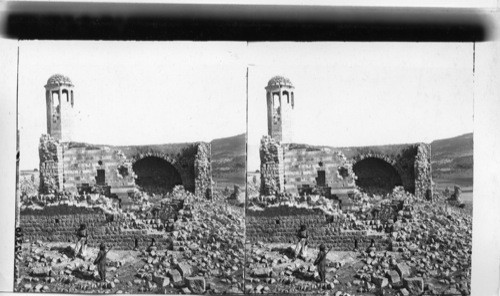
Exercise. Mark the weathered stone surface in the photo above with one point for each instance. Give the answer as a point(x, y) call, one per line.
point(271, 167)
point(161, 281)
point(41, 271)
point(414, 285)
point(394, 278)
point(403, 270)
point(175, 275)
point(261, 272)
point(380, 282)
point(184, 269)
point(203, 171)
point(196, 284)
point(51, 170)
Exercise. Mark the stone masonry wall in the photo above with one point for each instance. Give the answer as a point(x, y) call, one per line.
point(423, 172)
point(203, 171)
point(51, 161)
point(302, 165)
point(271, 167)
point(60, 224)
point(81, 162)
point(280, 225)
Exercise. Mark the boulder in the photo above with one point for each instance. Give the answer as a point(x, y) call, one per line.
point(176, 277)
point(261, 272)
point(380, 282)
point(184, 269)
point(161, 281)
point(196, 284)
point(414, 285)
point(394, 278)
point(41, 271)
point(403, 270)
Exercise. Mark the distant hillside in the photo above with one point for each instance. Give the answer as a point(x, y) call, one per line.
point(453, 157)
point(229, 161)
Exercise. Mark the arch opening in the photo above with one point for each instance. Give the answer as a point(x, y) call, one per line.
point(155, 175)
point(376, 176)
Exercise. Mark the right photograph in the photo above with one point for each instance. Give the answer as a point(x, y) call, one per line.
point(360, 168)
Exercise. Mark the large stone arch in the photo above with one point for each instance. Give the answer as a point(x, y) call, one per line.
point(382, 164)
point(377, 173)
point(166, 166)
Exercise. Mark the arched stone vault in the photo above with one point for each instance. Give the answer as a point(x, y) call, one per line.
point(68, 165)
point(297, 165)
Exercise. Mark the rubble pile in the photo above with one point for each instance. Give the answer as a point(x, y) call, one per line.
point(206, 253)
point(201, 251)
point(437, 245)
point(428, 252)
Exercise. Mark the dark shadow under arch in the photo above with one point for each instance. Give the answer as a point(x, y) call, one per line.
point(376, 176)
point(156, 175)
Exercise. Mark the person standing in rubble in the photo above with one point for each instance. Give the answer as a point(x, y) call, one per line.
point(81, 245)
point(320, 262)
point(301, 248)
point(100, 261)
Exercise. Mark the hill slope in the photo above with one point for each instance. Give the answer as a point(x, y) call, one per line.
point(453, 157)
point(229, 161)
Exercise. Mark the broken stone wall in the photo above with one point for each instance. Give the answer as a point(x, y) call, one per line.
point(423, 172)
point(203, 171)
point(302, 165)
point(51, 165)
point(182, 156)
point(271, 167)
point(59, 224)
point(81, 162)
point(280, 225)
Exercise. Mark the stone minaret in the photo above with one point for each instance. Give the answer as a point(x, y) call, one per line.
point(280, 104)
point(60, 102)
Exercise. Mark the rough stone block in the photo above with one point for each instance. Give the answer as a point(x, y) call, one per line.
point(41, 271)
point(394, 278)
point(414, 285)
point(161, 281)
point(184, 269)
point(176, 277)
point(196, 284)
point(380, 282)
point(262, 272)
point(403, 270)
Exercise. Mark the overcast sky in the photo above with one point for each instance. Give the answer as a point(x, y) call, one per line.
point(129, 93)
point(357, 94)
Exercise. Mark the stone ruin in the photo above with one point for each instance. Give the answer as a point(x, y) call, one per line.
point(292, 168)
point(350, 198)
point(68, 166)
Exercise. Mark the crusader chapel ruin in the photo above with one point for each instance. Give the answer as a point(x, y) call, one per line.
point(297, 170)
point(67, 166)
point(287, 167)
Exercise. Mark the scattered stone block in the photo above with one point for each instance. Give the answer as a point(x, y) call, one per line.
point(414, 285)
point(196, 284)
point(403, 270)
point(380, 282)
point(262, 272)
point(175, 275)
point(184, 269)
point(42, 271)
point(161, 281)
point(394, 278)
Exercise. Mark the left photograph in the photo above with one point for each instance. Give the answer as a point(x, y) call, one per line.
point(132, 167)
